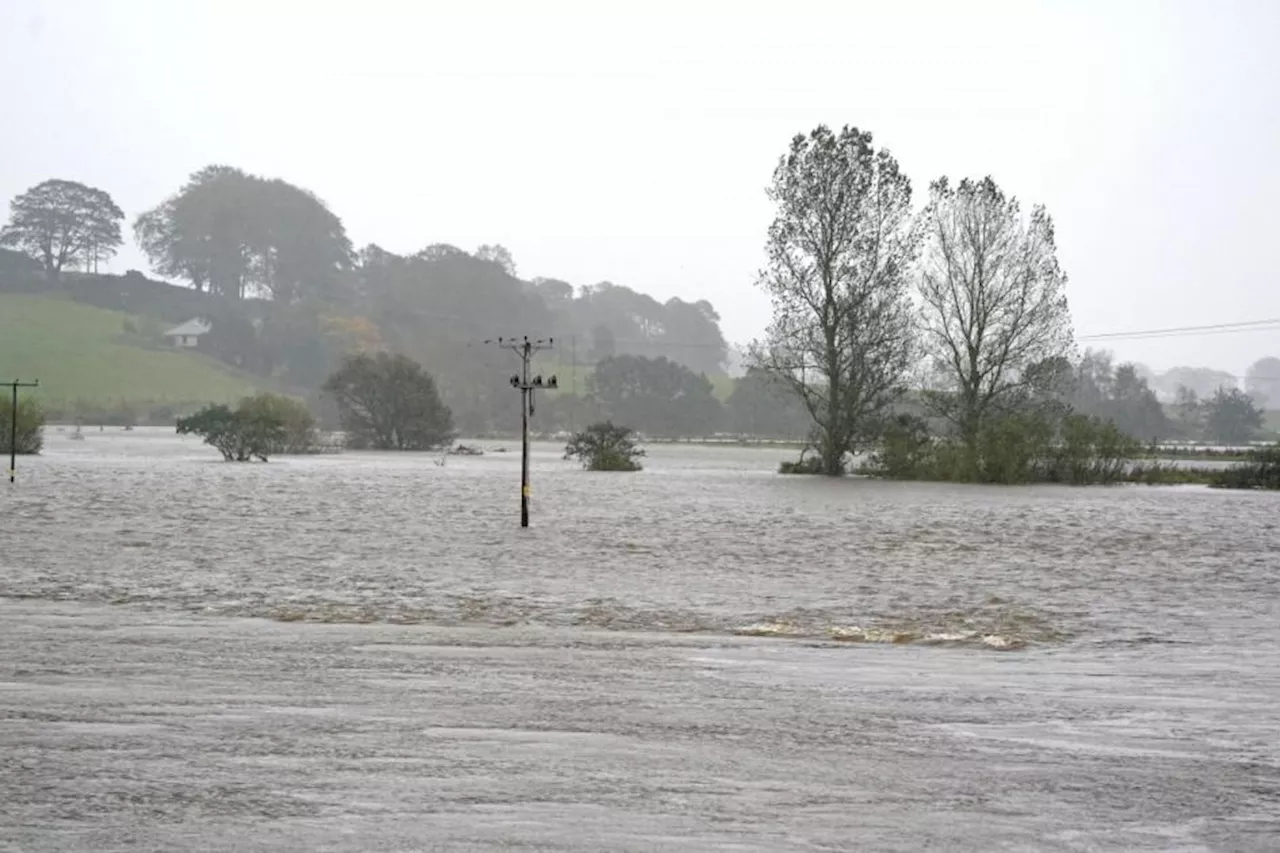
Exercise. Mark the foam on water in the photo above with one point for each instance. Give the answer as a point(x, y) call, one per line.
point(704, 540)
point(577, 685)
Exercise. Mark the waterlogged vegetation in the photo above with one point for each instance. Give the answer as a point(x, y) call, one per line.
point(939, 342)
point(1015, 449)
point(1260, 471)
point(261, 426)
point(30, 433)
point(1003, 399)
point(605, 447)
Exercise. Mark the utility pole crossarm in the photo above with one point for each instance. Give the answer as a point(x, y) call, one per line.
point(13, 423)
point(525, 349)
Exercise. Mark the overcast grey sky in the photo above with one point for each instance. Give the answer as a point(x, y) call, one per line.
point(632, 143)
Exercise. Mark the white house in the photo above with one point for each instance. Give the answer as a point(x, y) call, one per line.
point(189, 333)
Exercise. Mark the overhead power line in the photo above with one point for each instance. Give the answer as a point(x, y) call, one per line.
point(1177, 331)
point(1272, 324)
point(1187, 331)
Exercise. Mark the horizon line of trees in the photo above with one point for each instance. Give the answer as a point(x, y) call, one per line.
point(243, 238)
point(962, 303)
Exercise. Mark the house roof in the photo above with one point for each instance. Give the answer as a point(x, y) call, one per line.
point(195, 326)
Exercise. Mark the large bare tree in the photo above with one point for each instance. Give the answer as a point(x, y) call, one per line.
point(839, 255)
point(993, 300)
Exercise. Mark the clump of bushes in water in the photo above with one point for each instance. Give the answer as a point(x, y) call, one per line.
point(1164, 474)
point(1024, 447)
point(389, 402)
point(605, 446)
point(261, 426)
point(298, 424)
point(1261, 471)
point(30, 435)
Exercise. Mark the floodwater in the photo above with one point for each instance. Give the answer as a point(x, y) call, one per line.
point(364, 651)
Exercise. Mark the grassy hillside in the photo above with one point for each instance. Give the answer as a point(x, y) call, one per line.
point(84, 355)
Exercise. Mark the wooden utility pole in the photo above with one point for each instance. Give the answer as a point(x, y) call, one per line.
point(13, 424)
point(525, 348)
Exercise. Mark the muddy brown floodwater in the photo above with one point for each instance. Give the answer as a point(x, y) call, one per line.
point(365, 652)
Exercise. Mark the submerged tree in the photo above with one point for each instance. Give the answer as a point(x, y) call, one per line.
point(298, 433)
point(605, 447)
point(63, 224)
point(389, 402)
point(30, 436)
point(240, 435)
point(260, 426)
point(993, 300)
point(839, 250)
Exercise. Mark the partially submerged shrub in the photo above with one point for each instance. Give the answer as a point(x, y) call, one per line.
point(30, 426)
point(906, 450)
point(1021, 447)
point(298, 424)
point(389, 402)
point(605, 446)
point(1261, 471)
point(1091, 451)
point(232, 433)
point(1165, 474)
point(259, 427)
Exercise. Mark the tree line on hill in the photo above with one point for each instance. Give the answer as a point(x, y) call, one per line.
point(956, 316)
point(287, 294)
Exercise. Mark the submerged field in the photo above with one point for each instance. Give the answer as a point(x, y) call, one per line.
point(362, 650)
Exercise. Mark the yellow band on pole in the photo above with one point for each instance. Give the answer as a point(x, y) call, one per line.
point(526, 491)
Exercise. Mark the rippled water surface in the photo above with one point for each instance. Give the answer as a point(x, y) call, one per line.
point(704, 655)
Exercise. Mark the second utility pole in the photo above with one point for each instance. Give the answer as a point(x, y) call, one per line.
point(13, 425)
point(525, 348)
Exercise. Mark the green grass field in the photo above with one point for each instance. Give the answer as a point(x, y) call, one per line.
point(82, 354)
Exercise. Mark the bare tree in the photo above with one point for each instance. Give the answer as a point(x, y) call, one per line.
point(839, 253)
point(993, 300)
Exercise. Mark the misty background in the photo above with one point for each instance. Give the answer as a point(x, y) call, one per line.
point(599, 146)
